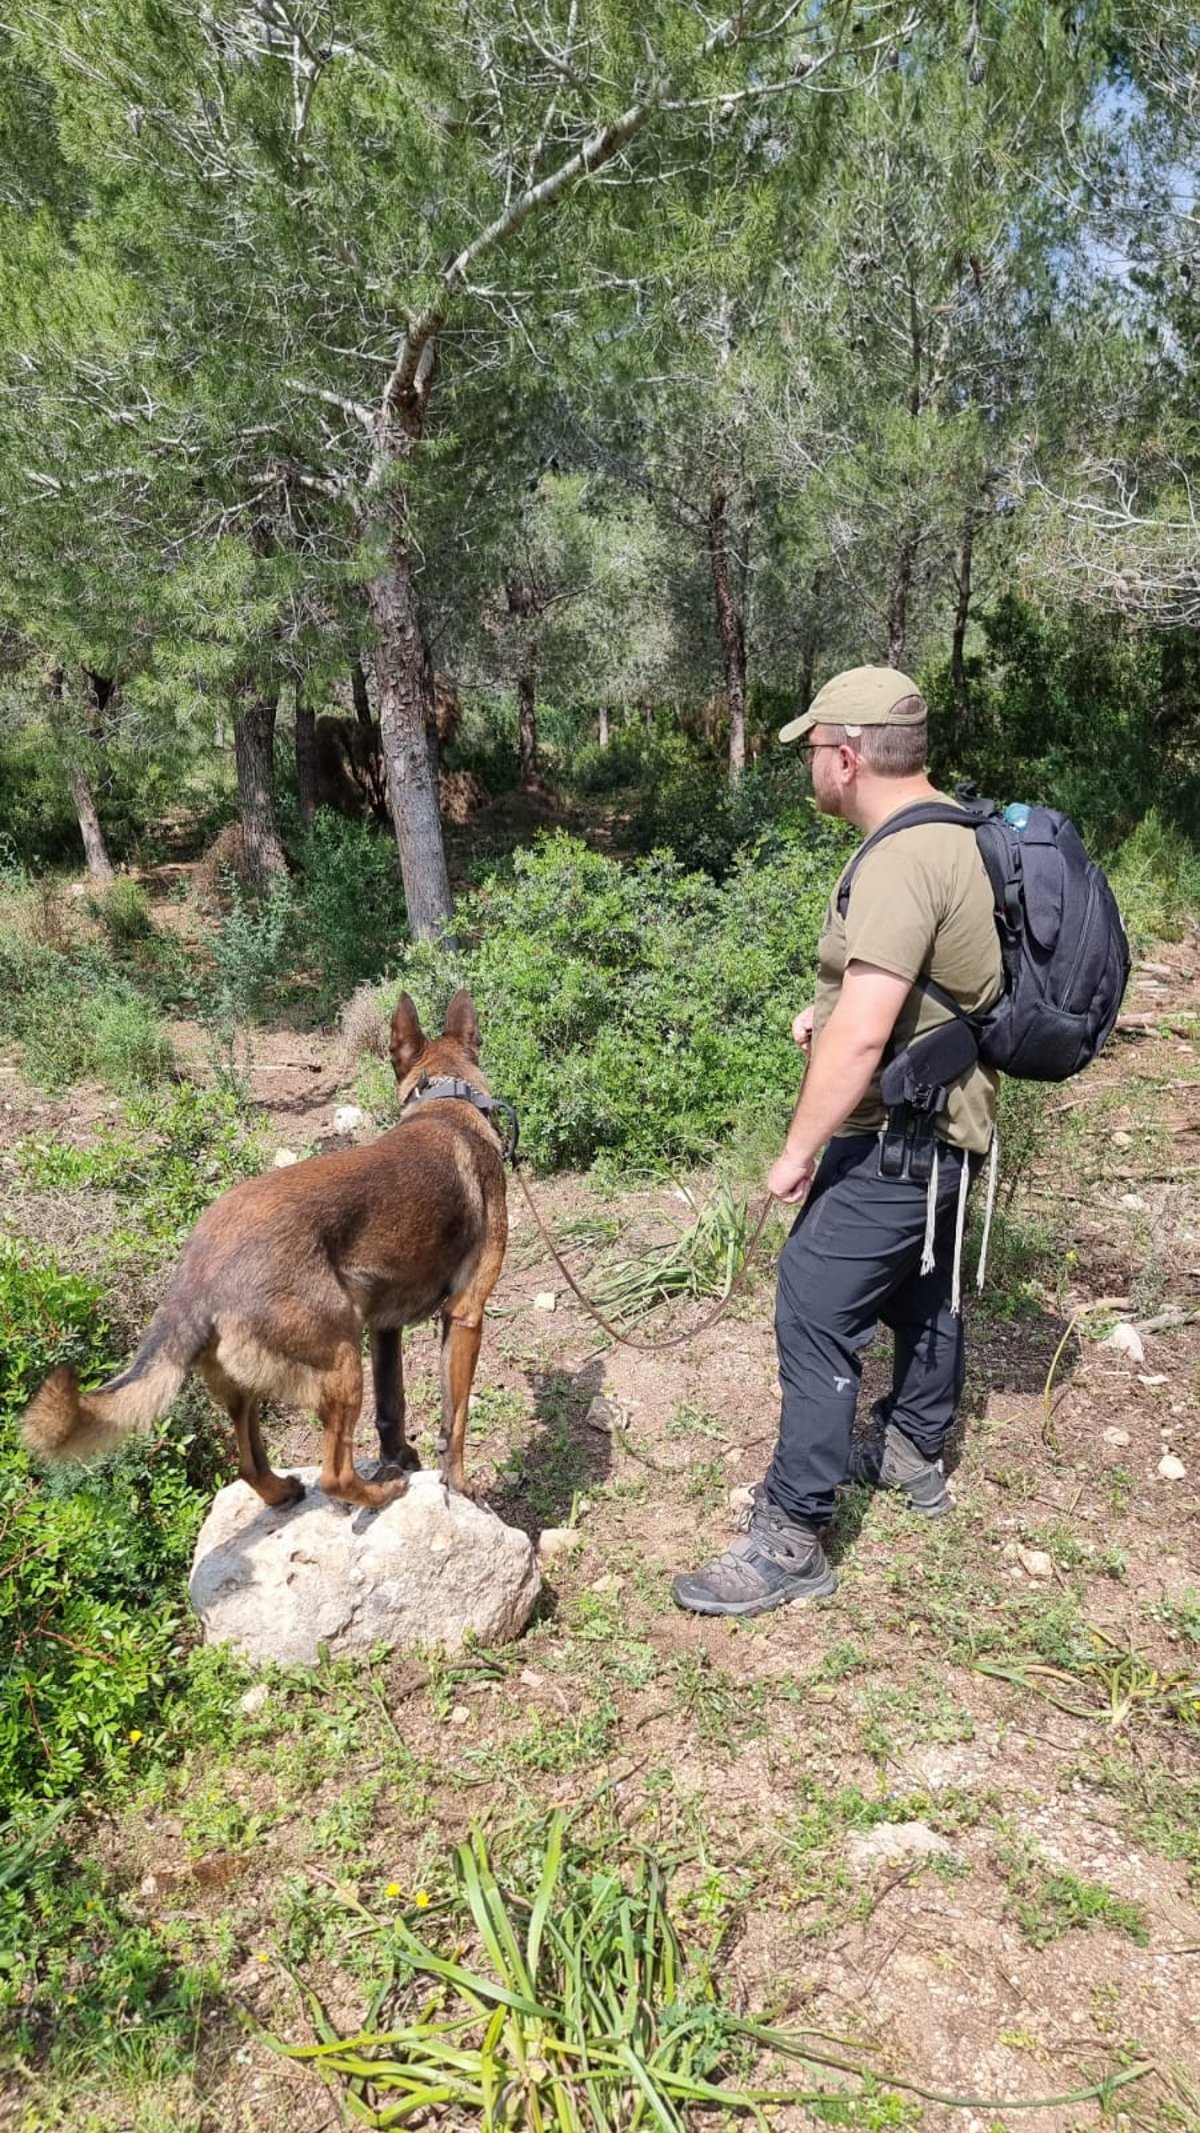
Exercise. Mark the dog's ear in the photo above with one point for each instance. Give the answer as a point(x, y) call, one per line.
point(462, 1025)
point(408, 1038)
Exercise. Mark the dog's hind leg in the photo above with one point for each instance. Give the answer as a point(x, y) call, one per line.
point(461, 1336)
point(338, 1407)
point(253, 1463)
point(387, 1372)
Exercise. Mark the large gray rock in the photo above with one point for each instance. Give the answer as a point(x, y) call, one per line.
point(423, 1571)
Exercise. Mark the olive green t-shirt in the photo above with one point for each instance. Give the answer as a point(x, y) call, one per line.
point(921, 905)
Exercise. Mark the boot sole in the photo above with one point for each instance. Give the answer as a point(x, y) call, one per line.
point(820, 1589)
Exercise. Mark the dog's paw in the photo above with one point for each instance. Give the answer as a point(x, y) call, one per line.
point(285, 1489)
point(460, 1486)
point(395, 1448)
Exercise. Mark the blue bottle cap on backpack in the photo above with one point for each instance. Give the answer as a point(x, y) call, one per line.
point(1017, 816)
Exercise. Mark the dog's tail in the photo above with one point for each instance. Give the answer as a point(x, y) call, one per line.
point(63, 1423)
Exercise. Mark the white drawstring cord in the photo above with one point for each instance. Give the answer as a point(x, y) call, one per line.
point(989, 1204)
point(927, 1256)
point(960, 1225)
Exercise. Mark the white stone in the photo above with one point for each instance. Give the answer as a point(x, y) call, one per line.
point(1134, 1202)
point(603, 1416)
point(1117, 1436)
point(254, 1700)
point(460, 1715)
point(545, 1300)
point(530, 1678)
point(1171, 1468)
point(348, 1118)
point(278, 1584)
point(557, 1540)
point(1154, 1377)
point(612, 1581)
point(284, 1157)
point(1035, 1562)
point(895, 1841)
point(1127, 1341)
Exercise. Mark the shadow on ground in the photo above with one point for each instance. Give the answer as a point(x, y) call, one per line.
point(561, 1457)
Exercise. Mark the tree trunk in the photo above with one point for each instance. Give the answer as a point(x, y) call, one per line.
point(306, 758)
point(527, 738)
point(400, 670)
point(604, 725)
point(732, 630)
point(898, 603)
point(362, 702)
point(253, 747)
point(962, 613)
point(65, 726)
point(95, 851)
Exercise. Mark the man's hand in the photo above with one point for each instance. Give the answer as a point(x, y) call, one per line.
point(790, 1176)
point(802, 1028)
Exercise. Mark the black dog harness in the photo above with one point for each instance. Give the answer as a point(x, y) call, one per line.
point(427, 1091)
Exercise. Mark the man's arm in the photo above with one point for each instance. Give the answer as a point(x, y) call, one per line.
point(843, 1064)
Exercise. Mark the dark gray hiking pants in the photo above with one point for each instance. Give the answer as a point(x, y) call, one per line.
point(853, 1258)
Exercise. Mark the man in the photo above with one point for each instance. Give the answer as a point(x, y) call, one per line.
point(868, 1246)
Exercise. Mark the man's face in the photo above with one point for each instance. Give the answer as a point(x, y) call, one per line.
point(824, 761)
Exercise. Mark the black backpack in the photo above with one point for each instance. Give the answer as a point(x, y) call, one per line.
point(1066, 958)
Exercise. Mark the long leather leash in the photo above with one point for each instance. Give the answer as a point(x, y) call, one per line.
point(627, 1340)
point(437, 1090)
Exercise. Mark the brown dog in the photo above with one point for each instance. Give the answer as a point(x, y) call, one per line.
point(281, 1275)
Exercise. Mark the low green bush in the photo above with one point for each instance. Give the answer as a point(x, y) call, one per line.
point(1155, 876)
point(691, 809)
point(123, 912)
point(252, 950)
point(173, 1152)
point(349, 905)
point(92, 1591)
point(636, 1012)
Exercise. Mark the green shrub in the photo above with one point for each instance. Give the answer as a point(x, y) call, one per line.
point(1156, 880)
point(350, 911)
point(93, 1599)
point(636, 1011)
point(123, 911)
point(692, 810)
point(253, 951)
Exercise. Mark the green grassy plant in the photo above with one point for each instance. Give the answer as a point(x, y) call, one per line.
point(1156, 880)
point(703, 1260)
point(83, 1985)
point(581, 2011)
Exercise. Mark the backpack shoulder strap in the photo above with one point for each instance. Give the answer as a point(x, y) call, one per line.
point(969, 815)
point(921, 813)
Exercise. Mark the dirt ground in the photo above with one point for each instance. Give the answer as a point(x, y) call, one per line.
point(952, 1812)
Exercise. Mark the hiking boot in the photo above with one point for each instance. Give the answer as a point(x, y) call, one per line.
point(887, 1460)
point(776, 1560)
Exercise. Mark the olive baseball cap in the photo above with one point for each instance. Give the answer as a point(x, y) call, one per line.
point(862, 696)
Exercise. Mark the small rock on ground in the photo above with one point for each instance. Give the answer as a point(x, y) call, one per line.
point(895, 1841)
